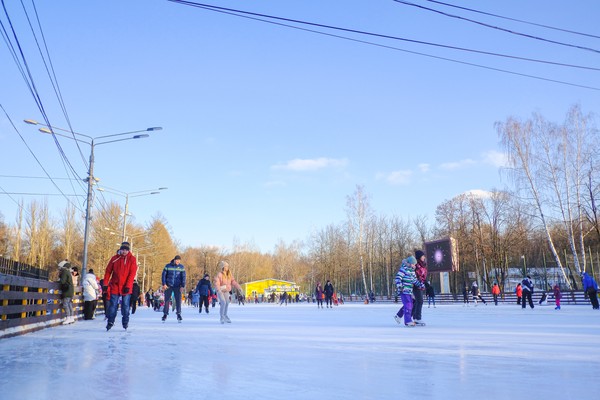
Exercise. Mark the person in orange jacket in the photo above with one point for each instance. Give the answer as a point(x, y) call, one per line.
point(495, 293)
point(519, 291)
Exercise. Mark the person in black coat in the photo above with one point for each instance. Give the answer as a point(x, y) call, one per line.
point(328, 289)
point(135, 295)
point(205, 290)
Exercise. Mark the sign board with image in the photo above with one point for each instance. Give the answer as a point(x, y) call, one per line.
point(441, 255)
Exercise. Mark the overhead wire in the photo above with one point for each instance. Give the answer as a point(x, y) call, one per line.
point(384, 36)
point(408, 3)
point(23, 66)
point(52, 76)
point(515, 19)
point(35, 157)
point(246, 14)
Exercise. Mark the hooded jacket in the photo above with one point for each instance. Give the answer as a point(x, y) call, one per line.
point(90, 287)
point(120, 273)
point(66, 281)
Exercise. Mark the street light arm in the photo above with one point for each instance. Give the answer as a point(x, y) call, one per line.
point(51, 129)
point(51, 132)
point(120, 140)
point(156, 128)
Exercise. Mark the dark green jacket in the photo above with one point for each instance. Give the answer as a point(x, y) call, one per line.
point(66, 283)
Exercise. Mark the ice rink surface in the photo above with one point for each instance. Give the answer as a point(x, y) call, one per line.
point(353, 351)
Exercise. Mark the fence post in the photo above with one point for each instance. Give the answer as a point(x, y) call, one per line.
point(24, 301)
point(5, 288)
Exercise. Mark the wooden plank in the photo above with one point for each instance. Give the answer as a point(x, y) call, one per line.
point(23, 295)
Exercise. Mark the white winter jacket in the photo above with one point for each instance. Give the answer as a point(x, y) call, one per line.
point(90, 287)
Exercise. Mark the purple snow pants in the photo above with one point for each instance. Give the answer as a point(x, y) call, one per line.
point(407, 302)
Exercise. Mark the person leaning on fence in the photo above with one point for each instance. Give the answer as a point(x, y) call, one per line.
point(90, 295)
point(118, 279)
point(67, 290)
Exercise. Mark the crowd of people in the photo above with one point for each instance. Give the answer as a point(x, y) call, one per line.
point(119, 289)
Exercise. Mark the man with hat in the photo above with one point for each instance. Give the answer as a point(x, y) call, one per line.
point(118, 278)
point(173, 279)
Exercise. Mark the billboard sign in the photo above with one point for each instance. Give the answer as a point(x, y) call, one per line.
point(441, 255)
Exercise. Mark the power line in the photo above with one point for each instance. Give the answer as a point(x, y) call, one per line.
point(36, 159)
point(51, 76)
point(379, 35)
point(234, 13)
point(497, 27)
point(516, 20)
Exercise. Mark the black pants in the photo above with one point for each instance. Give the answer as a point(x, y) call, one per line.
point(328, 301)
point(526, 298)
point(593, 295)
point(133, 306)
point(177, 291)
point(89, 308)
point(417, 304)
point(204, 302)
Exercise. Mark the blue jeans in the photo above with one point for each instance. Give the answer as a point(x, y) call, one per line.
point(112, 308)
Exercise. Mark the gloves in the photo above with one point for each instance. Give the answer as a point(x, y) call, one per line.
point(104, 288)
point(125, 290)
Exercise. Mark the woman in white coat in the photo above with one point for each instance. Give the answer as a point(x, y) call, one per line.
point(90, 295)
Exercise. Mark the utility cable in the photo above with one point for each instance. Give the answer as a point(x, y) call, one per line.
point(36, 158)
point(379, 35)
point(516, 20)
point(212, 8)
point(408, 3)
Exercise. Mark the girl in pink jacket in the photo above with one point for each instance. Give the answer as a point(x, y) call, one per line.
point(223, 283)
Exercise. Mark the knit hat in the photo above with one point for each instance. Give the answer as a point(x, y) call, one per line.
point(411, 260)
point(125, 246)
point(419, 254)
point(64, 264)
point(177, 257)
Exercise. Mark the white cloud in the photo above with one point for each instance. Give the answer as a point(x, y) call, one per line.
point(496, 158)
point(401, 177)
point(314, 164)
point(457, 164)
point(424, 167)
point(484, 194)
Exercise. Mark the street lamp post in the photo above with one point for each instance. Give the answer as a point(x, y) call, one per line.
point(90, 178)
point(146, 192)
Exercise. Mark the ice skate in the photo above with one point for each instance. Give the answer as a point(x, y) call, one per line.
point(179, 319)
point(398, 319)
point(410, 324)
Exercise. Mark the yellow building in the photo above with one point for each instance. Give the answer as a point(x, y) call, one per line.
point(265, 287)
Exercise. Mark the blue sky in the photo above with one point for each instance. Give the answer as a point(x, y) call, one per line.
point(267, 129)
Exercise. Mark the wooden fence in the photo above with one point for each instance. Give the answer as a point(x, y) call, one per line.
point(29, 304)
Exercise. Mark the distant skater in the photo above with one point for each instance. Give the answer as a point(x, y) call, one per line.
point(527, 285)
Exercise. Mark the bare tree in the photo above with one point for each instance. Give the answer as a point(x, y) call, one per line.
point(359, 213)
point(521, 140)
